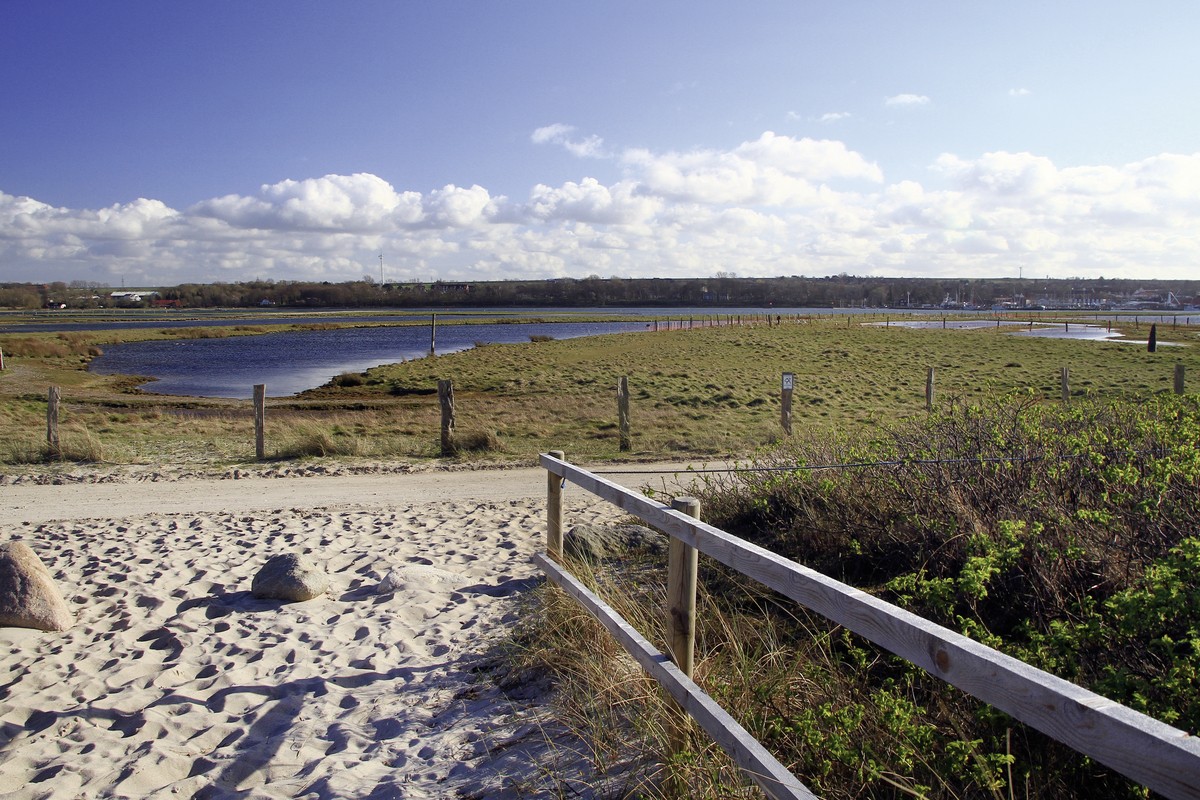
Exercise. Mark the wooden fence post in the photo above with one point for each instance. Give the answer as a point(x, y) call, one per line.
point(1065, 380)
point(52, 403)
point(260, 421)
point(433, 335)
point(785, 410)
point(1179, 378)
point(930, 374)
point(623, 413)
point(1, 359)
point(554, 536)
point(446, 400)
point(1152, 340)
point(682, 562)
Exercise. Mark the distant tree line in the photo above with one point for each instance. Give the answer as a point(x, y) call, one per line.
point(721, 290)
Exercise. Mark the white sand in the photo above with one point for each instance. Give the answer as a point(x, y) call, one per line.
point(176, 682)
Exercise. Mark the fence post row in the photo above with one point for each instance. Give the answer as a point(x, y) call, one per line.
point(1162, 758)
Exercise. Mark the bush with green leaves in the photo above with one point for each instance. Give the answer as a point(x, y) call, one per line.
point(1064, 535)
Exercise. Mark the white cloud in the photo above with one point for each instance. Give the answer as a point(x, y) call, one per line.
point(771, 170)
point(1001, 173)
point(592, 202)
point(768, 206)
point(560, 134)
point(834, 116)
point(1019, 92)
point(907, 100)
point(360, 202)
point(461, 208)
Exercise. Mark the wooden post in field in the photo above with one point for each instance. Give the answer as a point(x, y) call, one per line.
point(930, 374)
point(1065, 379)
point(1179, 379)
point(260, 421)
point(682, 561)
point(446, 400)
point(1, 359)
point(433, 335)
point(785, 410)
point(52, 402)
point(1152, 340)
point(554, 536)
point(623, 414)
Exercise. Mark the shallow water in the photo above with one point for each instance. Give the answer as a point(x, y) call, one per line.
point(294, 361)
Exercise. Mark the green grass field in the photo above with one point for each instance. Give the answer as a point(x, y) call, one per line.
point(704, 392)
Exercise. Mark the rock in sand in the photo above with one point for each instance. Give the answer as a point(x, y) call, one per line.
point(592, 543)
point(290, 578)
point(28, 596)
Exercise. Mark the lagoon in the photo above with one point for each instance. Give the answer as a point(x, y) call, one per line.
point(293, 361)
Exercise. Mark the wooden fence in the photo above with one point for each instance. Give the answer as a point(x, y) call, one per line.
point(1156, 755)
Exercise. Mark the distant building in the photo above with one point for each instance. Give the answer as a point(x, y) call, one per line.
point(132, 297)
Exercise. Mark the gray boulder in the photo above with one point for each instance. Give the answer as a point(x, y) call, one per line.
point(593, 543)
point(28, 596)
point(290, 578)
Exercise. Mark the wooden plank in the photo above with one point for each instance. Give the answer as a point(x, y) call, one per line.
point(260, 421)
point(554, 511)
point(682, 568)
point(446, 401)
point(626, 440)
point(758, 764)
point(1163, 758)
point(53, 399)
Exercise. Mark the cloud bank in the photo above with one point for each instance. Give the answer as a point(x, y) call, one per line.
point(775, 205)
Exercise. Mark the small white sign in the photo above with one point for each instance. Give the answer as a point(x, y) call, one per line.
point(788, 379)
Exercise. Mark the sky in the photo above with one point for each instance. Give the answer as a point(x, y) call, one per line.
point(150, 143)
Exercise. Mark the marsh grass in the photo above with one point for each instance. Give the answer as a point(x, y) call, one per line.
point(76, 445)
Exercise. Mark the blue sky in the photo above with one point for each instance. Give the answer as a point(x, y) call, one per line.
point(154, 143)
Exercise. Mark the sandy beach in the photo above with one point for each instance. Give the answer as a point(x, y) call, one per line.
point(175, 681)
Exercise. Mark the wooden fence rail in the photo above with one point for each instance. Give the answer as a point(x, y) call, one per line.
point(1160, 757)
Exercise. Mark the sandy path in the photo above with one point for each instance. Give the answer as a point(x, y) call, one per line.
point(87, 500)
point(175, 681)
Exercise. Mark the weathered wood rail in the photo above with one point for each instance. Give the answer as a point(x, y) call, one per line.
point(1156, 755)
